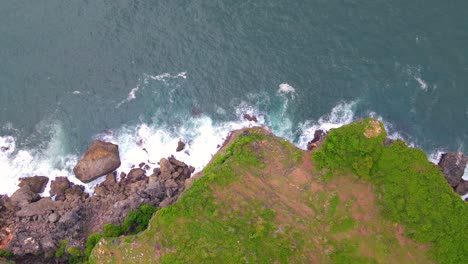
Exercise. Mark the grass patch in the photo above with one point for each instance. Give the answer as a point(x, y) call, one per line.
point(62, 247)
point(412, 190)
point(5, 254)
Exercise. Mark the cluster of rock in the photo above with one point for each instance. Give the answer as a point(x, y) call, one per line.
point(32, 227)
point(453, 166)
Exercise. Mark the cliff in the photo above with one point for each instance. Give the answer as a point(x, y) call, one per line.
point(354, 197)
point(261, 200)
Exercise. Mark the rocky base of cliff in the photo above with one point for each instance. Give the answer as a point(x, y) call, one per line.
point(33, 227)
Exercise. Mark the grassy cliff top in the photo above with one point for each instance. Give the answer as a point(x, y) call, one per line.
point(262, 200)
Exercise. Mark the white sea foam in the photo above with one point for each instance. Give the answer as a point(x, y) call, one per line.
point(149, 143)
point(285, 88)
point(51, 161)
point(422, 83)
point(76, 92)
point(142, 83)
point(341, 114)
point(165, 76)
point(435, 156)
point(465, 175)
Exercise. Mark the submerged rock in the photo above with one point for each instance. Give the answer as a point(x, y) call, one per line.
point(100, 159)
point(250, 118)
point(180, 146)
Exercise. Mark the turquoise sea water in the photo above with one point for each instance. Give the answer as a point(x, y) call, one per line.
point(146, 73)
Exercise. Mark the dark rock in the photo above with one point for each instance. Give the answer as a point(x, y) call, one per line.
point(110, 180)
point(156, 171)
point(74, 192)
point(29, 245)
point(245, 133)
point(100, 190)
point(141, 165)
point(42, 207)
point(180, 146)
point(453, 166)
point(48, 245)
point(100, 159)
point(37, 184)
point(170, 184)
point(175, 175)
point(192, 169)
point(59, 186)
point(177, 163)
point(319, 135)
point(53, 217)
point(462, 187)
point(251, 118)
point(135, 175)
point(146, 167)
point(388, 141)
point(186, 173)
point(70, 218)
point(165, 166)
point(35, 228)
point(24, 196)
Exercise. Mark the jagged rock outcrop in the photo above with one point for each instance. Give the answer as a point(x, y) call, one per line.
point(32, 228)
point(100, 159)
point(250, 118)
point(453, 166)
point(319, 135)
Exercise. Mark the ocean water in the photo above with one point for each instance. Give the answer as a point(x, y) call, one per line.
point(145, 74)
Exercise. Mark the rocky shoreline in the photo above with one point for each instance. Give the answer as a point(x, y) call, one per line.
point(32, 227)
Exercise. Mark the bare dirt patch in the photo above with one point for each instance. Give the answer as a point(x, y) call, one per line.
point(374, 130)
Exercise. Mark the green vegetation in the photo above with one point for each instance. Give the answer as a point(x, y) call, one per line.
point(5, 254)
point(258, 202)
point(61, 250)
point(135, 222)
point(411, 190)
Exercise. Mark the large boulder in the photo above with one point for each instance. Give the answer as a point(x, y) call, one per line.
point(453, 166)
point(100, 159)
point(37, 184)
